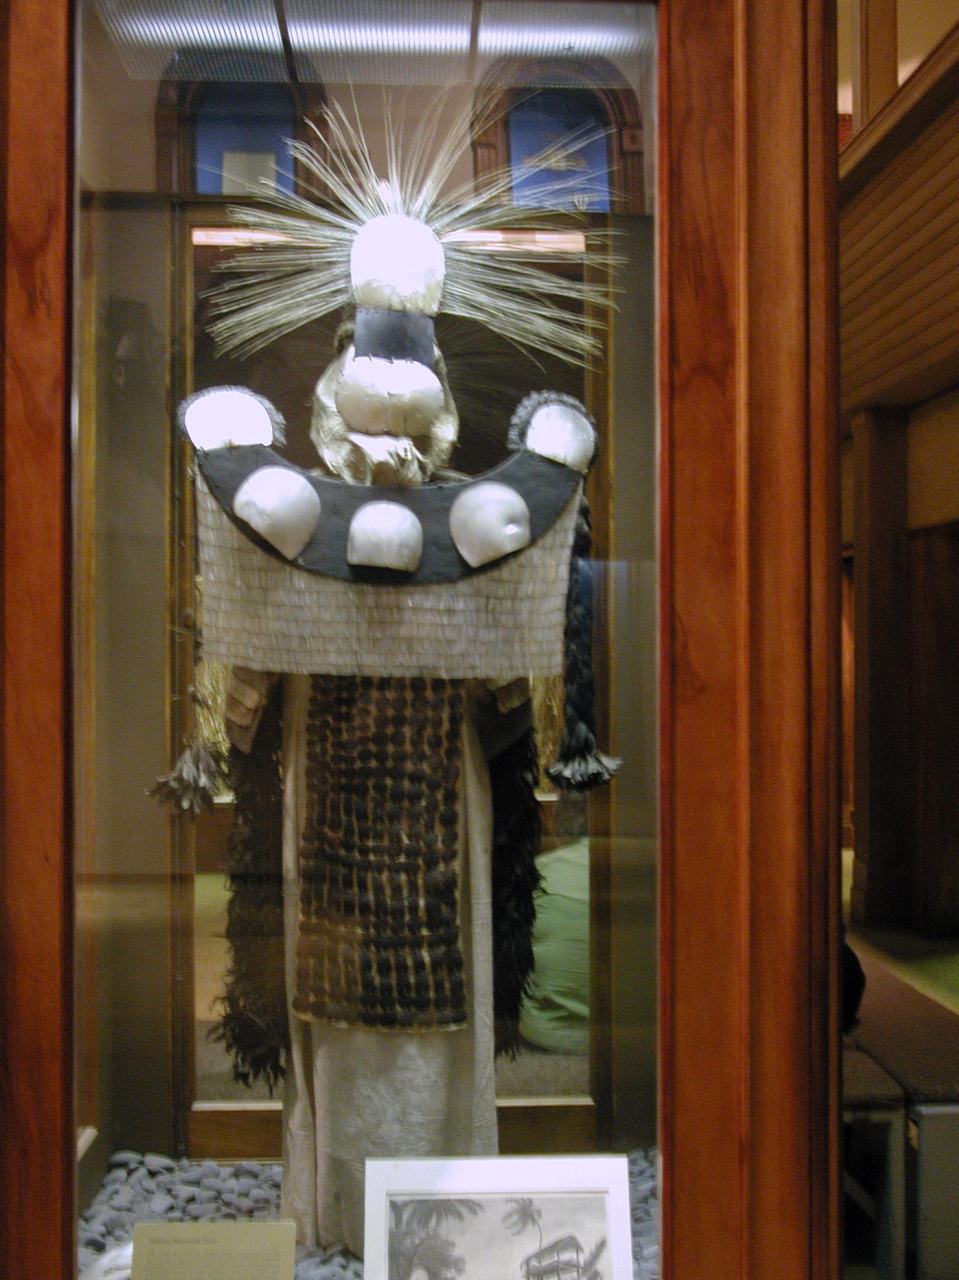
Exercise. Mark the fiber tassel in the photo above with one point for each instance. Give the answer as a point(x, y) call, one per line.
point(195, 781)
point(580, 764)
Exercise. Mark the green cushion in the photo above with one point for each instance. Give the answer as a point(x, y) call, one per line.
point(555, 1013)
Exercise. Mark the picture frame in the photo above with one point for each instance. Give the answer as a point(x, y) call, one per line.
point(515, 1217)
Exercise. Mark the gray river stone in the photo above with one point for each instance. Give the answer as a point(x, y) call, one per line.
point(199, 1211)
point(155, 1187)
point(125, 1159)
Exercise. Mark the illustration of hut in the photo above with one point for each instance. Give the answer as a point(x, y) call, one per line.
point(561, 1259)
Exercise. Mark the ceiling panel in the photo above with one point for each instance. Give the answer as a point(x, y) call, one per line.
point(405, 42)
point(196, 39)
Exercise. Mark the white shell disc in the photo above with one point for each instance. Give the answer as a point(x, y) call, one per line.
point(281, 505)
point(385, 535)
point(228, 416)
point(488, 521)
point(397, 262)
point(560, 432)
point(388, 397)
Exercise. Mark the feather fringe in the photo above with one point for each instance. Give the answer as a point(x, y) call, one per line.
point(516, 880)
point(254, 1025)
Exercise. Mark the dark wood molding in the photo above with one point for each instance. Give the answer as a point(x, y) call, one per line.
point(875, 62)
point(880, 896)
point(933, 608)
point(37, 1137)
point(749, 633)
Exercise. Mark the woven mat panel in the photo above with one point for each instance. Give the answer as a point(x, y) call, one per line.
point(261, 613)
point(378, 938)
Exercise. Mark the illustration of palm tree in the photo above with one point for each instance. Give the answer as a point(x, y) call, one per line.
point(524, 1213)
point(590, 1270)
point(414, 1233)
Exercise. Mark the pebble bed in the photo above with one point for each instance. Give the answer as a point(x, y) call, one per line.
point(154, 1188)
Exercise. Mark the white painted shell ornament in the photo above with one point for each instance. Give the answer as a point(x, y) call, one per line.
point(434, 532)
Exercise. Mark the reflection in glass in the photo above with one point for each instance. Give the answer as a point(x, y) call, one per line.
point(152, 233)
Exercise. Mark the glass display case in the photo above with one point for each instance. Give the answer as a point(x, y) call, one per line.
point(722, 711)
point(524, 161)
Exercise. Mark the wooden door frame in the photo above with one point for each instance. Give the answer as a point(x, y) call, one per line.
point(749, 537)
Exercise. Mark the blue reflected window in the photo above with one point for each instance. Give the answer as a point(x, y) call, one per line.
point(240, 134)
point(551, 163)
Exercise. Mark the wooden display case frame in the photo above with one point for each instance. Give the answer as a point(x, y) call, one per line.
point(749, 639)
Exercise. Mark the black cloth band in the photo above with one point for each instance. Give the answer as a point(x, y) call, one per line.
point(545, 486)
point(394, 335)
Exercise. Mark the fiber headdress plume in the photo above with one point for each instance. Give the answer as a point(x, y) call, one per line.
point(303, 270)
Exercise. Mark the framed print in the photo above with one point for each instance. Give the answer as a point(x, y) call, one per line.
point(541, 1218)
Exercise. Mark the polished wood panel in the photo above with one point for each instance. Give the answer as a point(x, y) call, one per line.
point(749, 630)
point(253, 1131)
point(37, 1135)
point(236, 1131)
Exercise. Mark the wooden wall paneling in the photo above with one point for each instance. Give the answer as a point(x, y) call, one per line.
point(749, 629)
point(934, 728)
point(931, 88)
point(880, 874)
point(899, 256)
point(872, 225)
point(37, 1136)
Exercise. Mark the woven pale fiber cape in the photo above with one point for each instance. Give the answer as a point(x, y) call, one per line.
point(378, 942)
point(259, 612)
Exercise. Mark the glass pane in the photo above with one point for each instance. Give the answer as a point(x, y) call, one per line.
point(364, 664)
